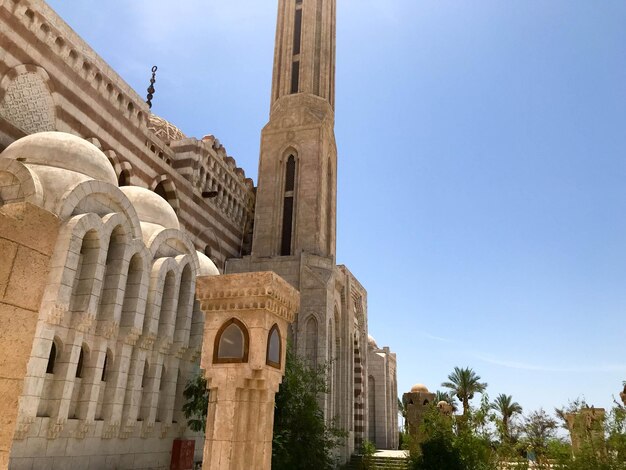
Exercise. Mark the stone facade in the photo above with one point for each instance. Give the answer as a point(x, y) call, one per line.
point(114, 333)
point(133, 211)
point(383, 397)
point(50, 79)
point(295, 222)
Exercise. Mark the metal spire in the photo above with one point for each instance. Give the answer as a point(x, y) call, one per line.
point(151, 87)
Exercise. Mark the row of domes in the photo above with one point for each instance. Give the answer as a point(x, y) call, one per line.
point(69, 152)
point(84, 160)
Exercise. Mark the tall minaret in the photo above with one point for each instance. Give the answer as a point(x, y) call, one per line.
point(296, 195)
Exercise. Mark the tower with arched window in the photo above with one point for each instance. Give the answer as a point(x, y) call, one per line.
point(295, 213)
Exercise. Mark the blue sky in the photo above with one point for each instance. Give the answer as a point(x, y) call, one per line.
point(482, 161)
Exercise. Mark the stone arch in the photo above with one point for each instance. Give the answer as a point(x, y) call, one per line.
point(115, 268)
point(84, 376)
point(18, 183)
point(86, 272)
point(147, 377)
point(170, 243)
point(164, 187)
point(311, 335)
point(289, 171)
point(186, 295)
point(53, 369)
point(162, 295)
point(133, 307)
point(371, 408)
point(100, 198)
point(106, 383)
point(27, 99)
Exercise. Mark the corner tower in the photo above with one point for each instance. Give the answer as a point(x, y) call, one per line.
point(296, 195)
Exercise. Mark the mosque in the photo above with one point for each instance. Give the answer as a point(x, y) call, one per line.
point(108, 216)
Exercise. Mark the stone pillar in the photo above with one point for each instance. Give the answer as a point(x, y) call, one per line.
point(27, 238)
point(587, 426)
point(416, 403)
point(240, 417)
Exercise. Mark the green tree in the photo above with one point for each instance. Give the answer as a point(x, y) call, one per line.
point(539, 429)
point(464, 383)
point(302, 438)
point(197, 404)
point(507, 408)
point(441, 448)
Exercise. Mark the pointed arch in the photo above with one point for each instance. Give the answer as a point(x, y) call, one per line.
point(232, 343)
point(311, 340)
point(287, 229)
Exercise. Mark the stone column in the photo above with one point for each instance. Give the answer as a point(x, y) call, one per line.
point(241, 394)
point(27, 238)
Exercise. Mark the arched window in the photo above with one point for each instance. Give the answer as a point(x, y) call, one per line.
point(274, 347)
point(231, 343)
point(52, 359)
point(288, 206)
point(124, 178)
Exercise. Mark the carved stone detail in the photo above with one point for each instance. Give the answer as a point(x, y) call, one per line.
point(28, 104)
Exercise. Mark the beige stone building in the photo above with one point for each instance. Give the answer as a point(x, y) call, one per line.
point(135, 211)
point(382, 396)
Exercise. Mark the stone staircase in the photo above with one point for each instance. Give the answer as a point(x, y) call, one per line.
point(378, 463)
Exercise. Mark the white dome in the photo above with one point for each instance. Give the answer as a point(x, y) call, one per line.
point(151, 207)
point(419, 388)
point(207, 267)
point(64, 151)
point(372, 342)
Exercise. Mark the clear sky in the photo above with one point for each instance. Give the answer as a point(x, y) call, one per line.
point(482, 167)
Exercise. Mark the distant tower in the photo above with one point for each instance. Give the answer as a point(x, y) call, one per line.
point(296, 199)
point(416, 403)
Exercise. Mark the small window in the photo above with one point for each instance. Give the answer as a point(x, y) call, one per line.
point(231, 343)
point(104, 367)
point(295, 77)
point(52, 359)
point(79, 366)
point(274, 347)
point(144, 377)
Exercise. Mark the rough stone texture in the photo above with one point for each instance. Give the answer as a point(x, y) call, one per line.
point(27, 235)
point(585, 426)
point(241, 405)
point(416, 402)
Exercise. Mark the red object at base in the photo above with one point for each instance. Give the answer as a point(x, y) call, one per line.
point(182, 454)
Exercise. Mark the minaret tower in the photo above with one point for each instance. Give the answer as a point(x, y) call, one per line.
point(296, 195)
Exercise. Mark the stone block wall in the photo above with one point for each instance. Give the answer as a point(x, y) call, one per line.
point(27, 238)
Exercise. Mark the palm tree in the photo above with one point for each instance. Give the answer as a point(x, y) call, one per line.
point(464, 383)
point(505, 405)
